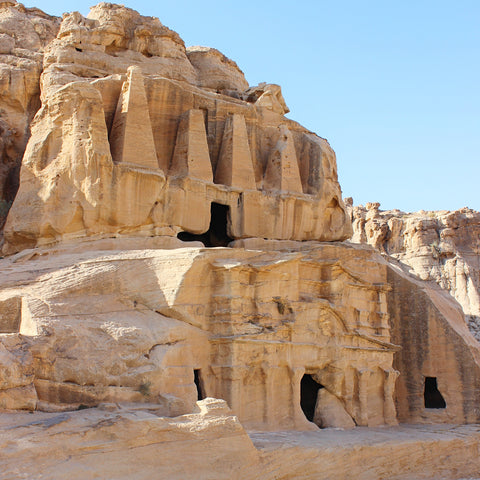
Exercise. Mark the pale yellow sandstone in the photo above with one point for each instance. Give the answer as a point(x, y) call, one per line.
point(441, 246)
point(268, 96)
point(330, 412)
point(131, 137)
point(235, 167)
point(146, 320)
point(107, 441)
point(24, 34)
point(282, 168)
point(142, 156)
point(191, 156)
point(139, 158)
point(216, 71)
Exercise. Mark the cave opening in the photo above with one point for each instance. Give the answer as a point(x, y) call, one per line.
point(308, 395)
point(197, 375)
point(432, 396)
point(217, 233)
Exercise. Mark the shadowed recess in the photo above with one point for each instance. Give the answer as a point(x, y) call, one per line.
point(199, 384)
point(216, 235)
point(308, 395)
point(432, 396)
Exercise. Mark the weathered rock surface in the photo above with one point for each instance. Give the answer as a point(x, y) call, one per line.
point(101, 322)
point(139, 146)
point(117, 442)
point(402, 453)
point(120, 442)
point(148, 320)
point(330, 412)
point(24, 34)
point(133, 137)
point(440, 246)
point(216, 71)
point(166, 326)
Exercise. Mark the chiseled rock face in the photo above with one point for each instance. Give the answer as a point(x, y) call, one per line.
point(441, 246)
point(132, 138)
point(141, 145)
point(124, 320)
point(145, 325)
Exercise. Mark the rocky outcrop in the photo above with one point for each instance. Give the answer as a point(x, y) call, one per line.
point(107, 441)
point(123, 332)
point(133, 139)
point(166, 326)
point(217, 72)
point(268, 327)
point(210, 444)
point(24, 34)
point(107, 42)
point(441, 246)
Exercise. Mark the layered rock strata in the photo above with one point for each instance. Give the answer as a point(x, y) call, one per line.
point(24, 35)
point(440, 246)
point(137, 135)
point(154, 322)
point(210, 444)
point(143, 155)
point(253, 327)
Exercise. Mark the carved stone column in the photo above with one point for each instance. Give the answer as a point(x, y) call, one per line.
point(363, 376)
point(389, 411)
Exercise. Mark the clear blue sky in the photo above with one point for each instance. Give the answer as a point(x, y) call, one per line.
point(393, 86)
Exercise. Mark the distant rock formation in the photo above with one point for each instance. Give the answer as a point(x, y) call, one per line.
point(442, 246)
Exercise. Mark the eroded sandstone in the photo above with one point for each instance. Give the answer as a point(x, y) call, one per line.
point(110, 439)
point(24, 35)
point(248, 325)
point(125, 332)
point(440, 246)
point(149, 146)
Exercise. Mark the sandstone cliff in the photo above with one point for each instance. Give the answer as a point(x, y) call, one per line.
point(139, 135)
point(176, 277)
point(441, 246)
point(24, 35)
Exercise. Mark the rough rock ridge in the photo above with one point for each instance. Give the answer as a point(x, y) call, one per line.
point(134, 136)
point(441, 246)
point(24, 35)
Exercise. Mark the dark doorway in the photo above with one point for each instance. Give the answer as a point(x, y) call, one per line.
point(308, 395)
point(11, 184)
point(216, 235)
point(199, 384)
point(432, 396)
